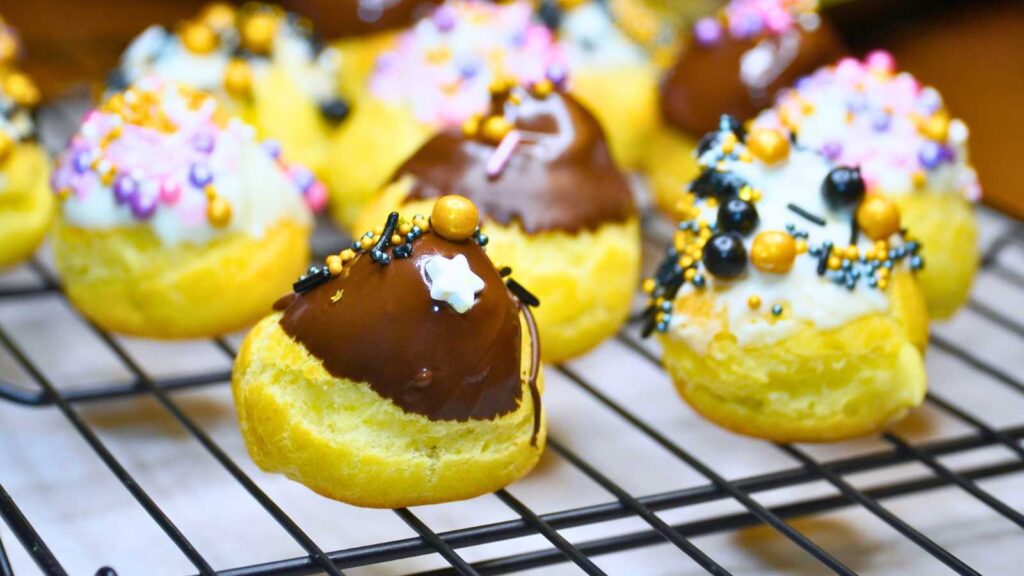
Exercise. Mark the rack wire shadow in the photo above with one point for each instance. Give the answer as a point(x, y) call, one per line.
point(621, 503)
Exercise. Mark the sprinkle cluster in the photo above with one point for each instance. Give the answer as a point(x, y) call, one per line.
point(865, 113)
point(151, 147)
point(722, 210)
point(443, 67)
point(225, 49)
point(746, 19)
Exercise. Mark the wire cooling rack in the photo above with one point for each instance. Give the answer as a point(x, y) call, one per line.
point(974, 388)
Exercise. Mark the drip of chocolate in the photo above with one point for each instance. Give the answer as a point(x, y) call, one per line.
point(739, 77)
point(560, 176)
point(420, 353)
point(351, 18)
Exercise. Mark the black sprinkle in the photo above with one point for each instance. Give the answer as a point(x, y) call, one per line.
point(316, 276)
point(854, 230)
point(335, 110)
point(550, 14)
point(117, 80)
point(524, 295)
point(403, 251)
point(806, 215)
point(377, 253)
point(823, 259)
point(648, 327)
point(504, 271)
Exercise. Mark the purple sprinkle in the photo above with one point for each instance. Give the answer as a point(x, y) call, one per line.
point(946, 153)
point(747, 26)
point(200, 175)
point(832, 150)
point(707, 32)
point(930, 155)
point(557, 74)
point(143, 206)
point(125, 188)
point(804, 83)
point(444, 18)
point(881, 120)
point(518, 40)
point(82, 161)
point(273, 147)
point(203, 142)
point(302, 177)
point(469, 70)
point(929, 100)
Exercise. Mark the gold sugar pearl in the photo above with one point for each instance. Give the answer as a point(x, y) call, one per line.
point(834, 262)
point(210, 191)
point(347, 254)
point(199, 38)
point(219, 15)
point(238, 78)
point(471, 126)
point(6, 147)
point(729, 142)
point(333, 264)
point(689, 274)
point(768, 146)
point(396, 240)
point(218, 212)
point(258, 32)
point(542, 89)
point(754, 302)
point(801, 246)
point(20, 88)
point(878, 217)
point(366, 242)
point(935, 127)
point(649, 285)
point(495, 128)
point(454, 217)
point(500, 87)
point(773, 251)
point(919, 178)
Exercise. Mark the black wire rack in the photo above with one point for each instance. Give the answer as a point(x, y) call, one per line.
point(622, 503)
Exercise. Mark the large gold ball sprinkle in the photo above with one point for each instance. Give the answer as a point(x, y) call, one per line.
point(219, 15)
point(218, 212)
point(878, 217)
point(258, 32)
point(238, 78)
point(495, 128)
point(773, 251)
point(199, 38)
point(768, 146)
point(454, 217)
point(6, 147)
point(471, 126)
point(935, 127)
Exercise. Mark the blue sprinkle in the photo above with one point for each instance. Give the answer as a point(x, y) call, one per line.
point(698, 280)
point(777, 310)
point(666, 306)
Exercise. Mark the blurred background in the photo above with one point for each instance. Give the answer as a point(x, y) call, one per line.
point(971, 50)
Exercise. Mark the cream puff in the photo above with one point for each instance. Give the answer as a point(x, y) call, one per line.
point(787, 305)
point(733, 63)
point(907, 147)
point(402, 372)
point(26, 206)
point(554, 206)
point(265, 64)
point(175, 220)
point(435, 76)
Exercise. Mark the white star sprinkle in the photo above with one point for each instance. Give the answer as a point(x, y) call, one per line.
point(450, 280)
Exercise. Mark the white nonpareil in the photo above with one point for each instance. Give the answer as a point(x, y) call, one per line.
point(450, 280)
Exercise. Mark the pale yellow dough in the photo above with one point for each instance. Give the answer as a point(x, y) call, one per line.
point(671, 166)
point(585, 281)
point(344, 441)
point(27, 206)
point(814, 385)
point(127, 281)
point(624, 100)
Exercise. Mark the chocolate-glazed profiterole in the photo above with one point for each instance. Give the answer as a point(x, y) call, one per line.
point(735, 64)
point(405, 370)
point(559, 174)
point(348, 18)
point(553, 205)
point(421, 354)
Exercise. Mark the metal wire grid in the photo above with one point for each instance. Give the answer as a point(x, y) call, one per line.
point(624, 505)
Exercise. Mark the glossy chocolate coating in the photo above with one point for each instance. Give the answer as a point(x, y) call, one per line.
point(420, 353)
point(350, 18)
point(706, 81)
point(560, 177)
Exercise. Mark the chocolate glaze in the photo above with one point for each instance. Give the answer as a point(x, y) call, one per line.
point(343, 18)
point(420, 353)
point(706, 81)
point(560, 177)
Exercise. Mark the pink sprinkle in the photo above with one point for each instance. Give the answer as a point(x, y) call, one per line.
point(170, 191)
point(316, 197)
point(496, 163)
point(880, 60)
